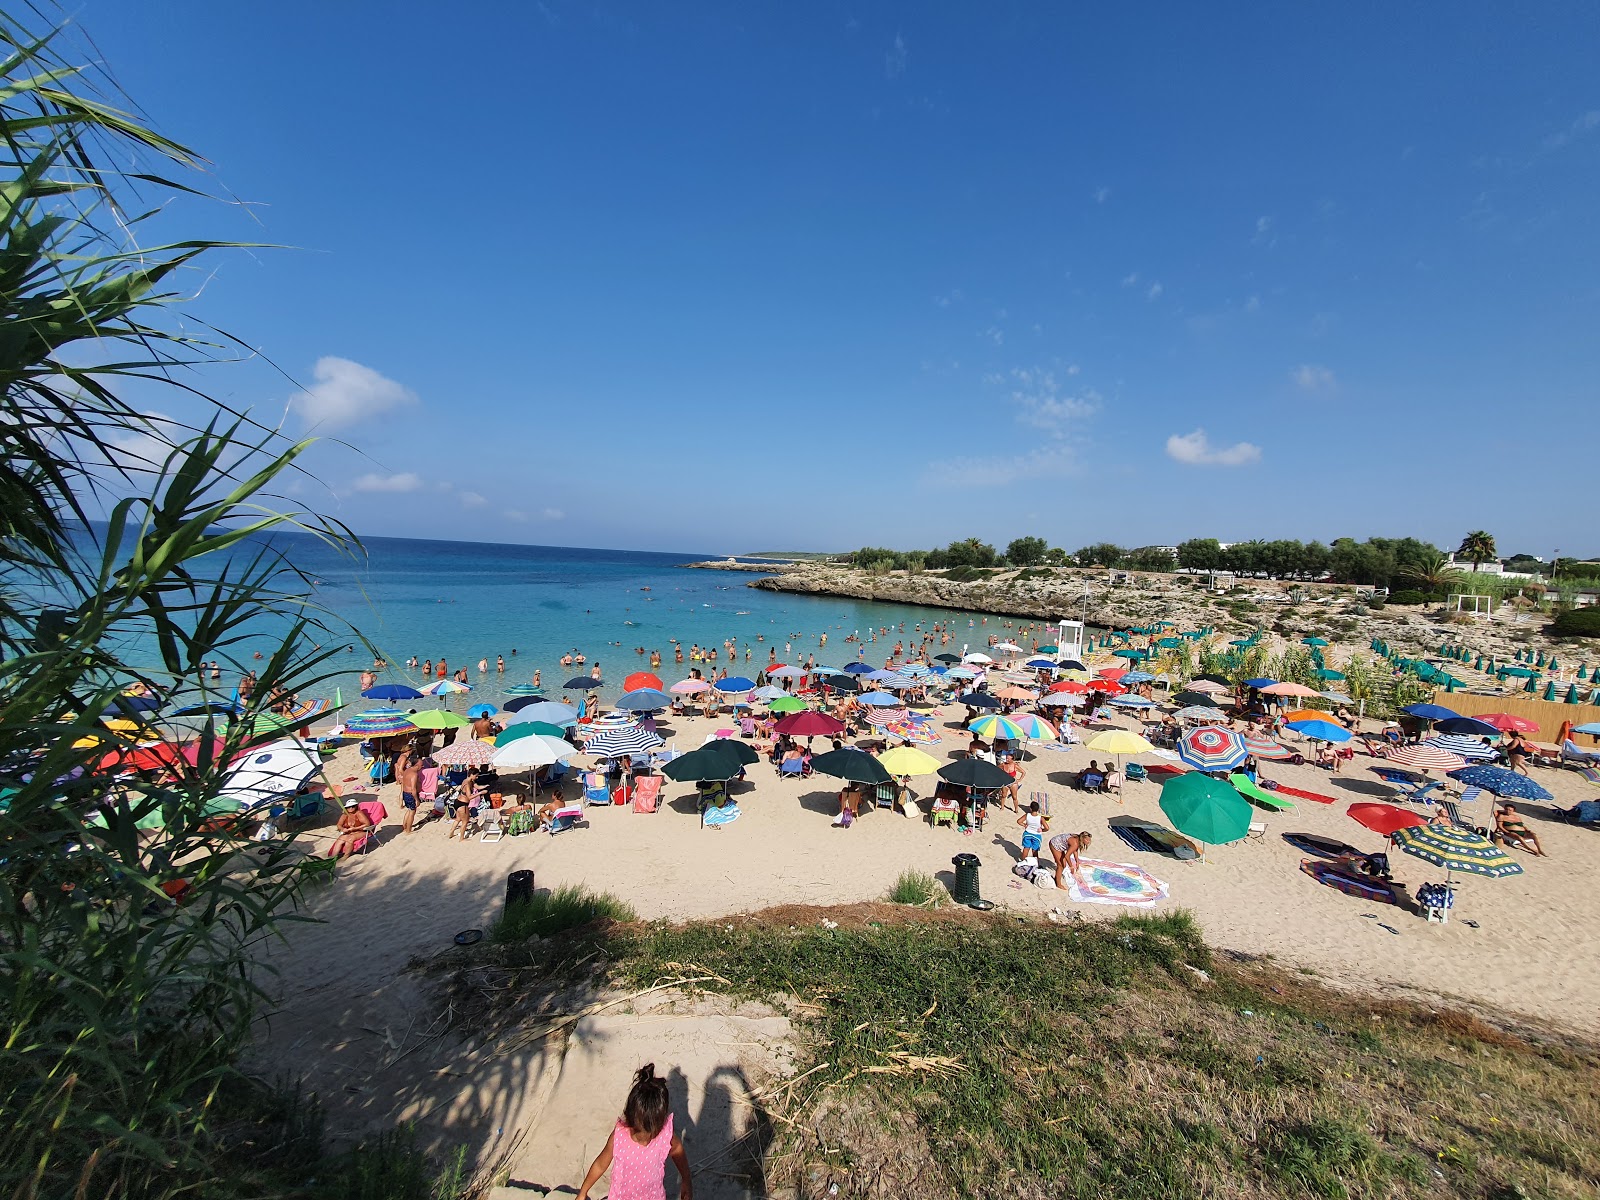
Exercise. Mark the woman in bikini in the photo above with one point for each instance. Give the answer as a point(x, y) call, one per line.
point(1067, 848)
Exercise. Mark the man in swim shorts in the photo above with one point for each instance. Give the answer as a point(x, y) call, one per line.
point(407, 770)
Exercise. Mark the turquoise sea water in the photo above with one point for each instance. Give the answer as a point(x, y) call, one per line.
point(469, 601)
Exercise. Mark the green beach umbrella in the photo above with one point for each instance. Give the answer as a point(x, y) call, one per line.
point(851, 764)
point(1549, 689)
point(713, 761)
point(786, 704)
point(1583, 670)
point(1532, 685)
point(1572, 694)
point(1553, 664)
point(1049, 649)
point(522, 729)
point(522, 689)
point(1325, 673)
point(1205, 809)
point(439, 718)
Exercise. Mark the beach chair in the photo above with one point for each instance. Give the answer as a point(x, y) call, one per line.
point(491, 824)
point(796, 769)
point(1113, 782)
point(377, 814)
point(1093, 781)
point(946, 805)
point(647, 793)
point(1571, 752)
point(594, 788)
point(1257, 832)
point(565, 818)
point(1135, 773)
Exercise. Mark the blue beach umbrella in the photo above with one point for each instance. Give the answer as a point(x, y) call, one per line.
point(1259, 683)
point(879, 699)
point(1470, 726)
point(735, 683)
point(864, 668)
point(1321, 731)
point(548, 711)
point(1132, 702)
point(1430, 712)
point(643, 700)
point(1040, 664)
point(481, 710)
point(1590, 727)
point(581, 683)
point(1137, 677)
point(1501, 782)
point(522, 702)
point(977, 700)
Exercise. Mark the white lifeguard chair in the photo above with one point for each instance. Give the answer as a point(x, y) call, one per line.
point(1069, 642)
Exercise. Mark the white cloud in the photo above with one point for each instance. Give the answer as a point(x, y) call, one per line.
point(953, 296)
point(894, 62)
point(1263, 226)
point(1586, 123)
point(471, 500)
point(1196, 450)
point(995, 334)
point(1041, 405)
point(405, 481)
point(512, 514)
point(1155, 291)
point(552, 514)
point(1101, 195)
point(1312, 378)
point(999, 470)
point(1131, 278)
point(1253, 304)
point(346, 393)
point(145, 444)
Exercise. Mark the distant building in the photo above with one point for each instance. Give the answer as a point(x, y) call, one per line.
point(1493, 567)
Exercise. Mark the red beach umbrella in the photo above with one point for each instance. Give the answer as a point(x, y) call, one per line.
point(1071, 686)
point(1507, 722)
point(810, 724)
point(172, 756)
point(1383, 818)
point(1112, 673)
point(643, 679)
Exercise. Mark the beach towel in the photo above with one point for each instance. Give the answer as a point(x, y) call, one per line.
point(1328, 874)
point(1323, 847)
point(1303, 795)
point(1136, 838)
point(1114, 883)
point(722, 814)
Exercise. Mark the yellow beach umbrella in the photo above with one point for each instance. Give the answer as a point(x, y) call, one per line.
point(908, 760)
point(1119, 741)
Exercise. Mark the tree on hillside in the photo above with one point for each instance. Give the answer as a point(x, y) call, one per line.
point(1432, 574)
point(970, 553)
point(1027, 551)
point(1201, 554)
point(1152, 558)
point(1477, 548)
point(1101, 554)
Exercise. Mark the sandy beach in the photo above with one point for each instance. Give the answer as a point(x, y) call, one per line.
point(348, 1005)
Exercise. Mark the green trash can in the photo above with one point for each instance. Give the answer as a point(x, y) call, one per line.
point(966, 889)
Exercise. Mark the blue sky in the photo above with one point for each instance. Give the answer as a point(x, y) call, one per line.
point(761, 276)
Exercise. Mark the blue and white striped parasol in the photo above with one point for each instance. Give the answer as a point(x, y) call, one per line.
point(612, 743)
point(1470, 748)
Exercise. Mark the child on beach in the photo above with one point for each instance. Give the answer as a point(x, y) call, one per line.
point(640, 1145)
point(1034, 826)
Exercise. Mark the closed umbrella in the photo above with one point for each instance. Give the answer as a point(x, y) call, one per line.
point(1212, 748)
point(1205, 809)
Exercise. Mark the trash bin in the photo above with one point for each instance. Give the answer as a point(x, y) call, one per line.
point(519, 888)
point(966, 889)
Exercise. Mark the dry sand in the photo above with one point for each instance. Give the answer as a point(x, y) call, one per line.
point(361, 1029)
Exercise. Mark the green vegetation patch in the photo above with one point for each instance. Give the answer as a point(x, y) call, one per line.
point(549, 913)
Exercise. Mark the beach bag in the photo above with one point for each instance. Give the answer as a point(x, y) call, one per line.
point(847, 819)
point(1025, 869)
point(1044, 879)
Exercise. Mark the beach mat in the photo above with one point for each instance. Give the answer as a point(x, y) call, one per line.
point(1298, 794)
point(1329, 875)
point(1136, 838)
point(1121, 884)
point(1322, 847)
point(721, 814)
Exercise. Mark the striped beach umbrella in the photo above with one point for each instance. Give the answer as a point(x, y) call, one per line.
point(1200, 712)
point(1211, 748)
point(520, 689)
point(1426, 758)
point(1266, 749)
point(1458, 851)
point(880, 717)
point(913, 730)
point(465, 752)
point(1470, 748)
point(379, 722)
point(613, 743)
point(688, 687)
point(1133, 702)
point(994, 725)
point(915, 671)
point(1501, 782)
point(1034, 727)
point(449, 687)
point(1063, 700)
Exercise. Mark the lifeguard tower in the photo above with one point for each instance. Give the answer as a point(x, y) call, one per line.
point(1069, 643)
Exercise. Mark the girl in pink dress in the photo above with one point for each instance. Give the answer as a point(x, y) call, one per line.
point(639, 1146)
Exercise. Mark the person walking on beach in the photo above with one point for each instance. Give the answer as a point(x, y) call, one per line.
point(640, 1144)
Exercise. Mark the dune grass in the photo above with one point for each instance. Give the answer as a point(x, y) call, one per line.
point(987, 1057)
point(551, 912)
point(916, 887)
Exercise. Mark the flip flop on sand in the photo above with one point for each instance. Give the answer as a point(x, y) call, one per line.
point(1390, 928)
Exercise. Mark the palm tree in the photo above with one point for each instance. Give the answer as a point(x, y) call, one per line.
point(1478, 548)
point(1432, 573)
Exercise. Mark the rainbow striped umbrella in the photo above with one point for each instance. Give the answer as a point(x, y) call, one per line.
point(914, 730)
point(449, 687)
point(1212, 748)
point(994, 725)
point(379, 722)
point(1034, 727)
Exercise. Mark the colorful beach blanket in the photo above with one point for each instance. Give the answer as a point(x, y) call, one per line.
point(722, 814)
point(1328, 873)
point(1302, 795)
point(1115, 883)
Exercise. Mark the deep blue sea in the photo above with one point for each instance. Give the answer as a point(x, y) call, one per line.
point(470, 601)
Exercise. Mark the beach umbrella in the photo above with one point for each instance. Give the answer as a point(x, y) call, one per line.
point(643, 700)
point(1034, 727)
point(1326, 675)
point(643, 679)
point(841, 682)
point(1208, 686)
point(1506, 722)
point(786, 672)
point(1308, 714)
point(1191, 698)
point(443, 687)
point(977, 658)
point(438, 718)
point(1041, 664)
point(527, 729)
point(1590, 727)
point(960, 673)
point(1130, 654)
point(977, 700)
point(1312, 641)
point(788, 704)
point(710, 762)
point(880, 699)
point(465, 752)
point(392, 691)
point(1458, 851)
point(851, 764)
point(1119, 742)
point(614, 743)
point(1470, 748)
point(864, 668)
point(535, 751)
point(379, 722)
point(1211, 748)
point(1071, 686)
point(1288, 689)
point(688, 687)
point(1133, 677)
point(882, 718)
point(1133, 702)
point(1205, 809)
point(1507, 784)
point(810, 724)
point(522, 702)
point(734, 683)
point(1426, 758)
point(170, 756)
point(1336, 697)
point(1260, 682)
point(769, 693)
point(131, 707)
point(947, 658)
point(518, 689)
point(1063, 700)
point(1111, 673)
point(1008, 647)
point(1048, 650)
point(1200, 712)
point(996, 726)
point(1106, 687)
point(974, 772)
point(1015, 693)
point(580, 684)
point(915, 670)
point(1267, 749)
point(1430, 712)
point(1072, 664)
point(481, 710)
point(1321, 731)
point(1471, 726)
point(1383, 819)
point(549, 711)
point(900, 761)
point(267, 772)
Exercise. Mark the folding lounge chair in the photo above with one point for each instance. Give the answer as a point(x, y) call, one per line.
point(885, 794)
point(565, 818)
point(377, 814)
point(594, 788)
point(1571, 752)
point(647, 793)
point(491, 824)
point(795, 769)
